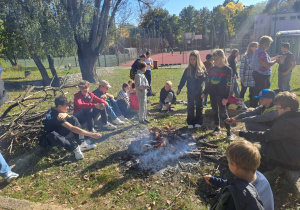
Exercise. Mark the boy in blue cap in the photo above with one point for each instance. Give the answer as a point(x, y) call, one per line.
point(261, 118)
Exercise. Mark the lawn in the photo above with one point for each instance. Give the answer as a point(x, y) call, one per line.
point(100, 182)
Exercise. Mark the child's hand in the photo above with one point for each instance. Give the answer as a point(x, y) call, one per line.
point(104, 97)
point(203, 96)
point(178, 92)
point(147, 86)
point(62, 116)
point(224, 101)
point(96, 135)
point(206, 178)
point(228, 120)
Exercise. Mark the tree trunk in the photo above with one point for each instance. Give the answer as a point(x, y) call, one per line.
point(87, 61)
point(41, 67)
point(55, 82)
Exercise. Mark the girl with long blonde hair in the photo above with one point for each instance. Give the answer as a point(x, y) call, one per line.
point(194, 75)
point(218, 87)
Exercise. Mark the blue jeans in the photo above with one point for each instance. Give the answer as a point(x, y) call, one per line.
point(284, 81)
point(123, 106)
point(148, 75)
point(114, 106)
point(4, 168)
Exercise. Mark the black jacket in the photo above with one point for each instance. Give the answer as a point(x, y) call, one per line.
point(283, 140)
point(134, 68)
point(164, 94)
point(238, 194)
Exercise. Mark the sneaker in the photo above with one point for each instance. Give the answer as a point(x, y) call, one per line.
point(11, 176)
point(243, 106)
point(143, 122)
point(88, 141)
point(190, 126)
point(123, 118)
point(93, 130)
point(230, 136)
point(78, 153)
point(118, 121)
point(146, 121)
point(85, 146)
point(109, 126)
point(216, 131)
point(197, 126)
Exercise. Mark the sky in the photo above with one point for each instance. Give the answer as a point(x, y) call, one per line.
point(175, 6)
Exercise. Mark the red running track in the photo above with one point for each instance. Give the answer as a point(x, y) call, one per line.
point(167, 58)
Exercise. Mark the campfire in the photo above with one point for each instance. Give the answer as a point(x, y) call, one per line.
point(158, 148)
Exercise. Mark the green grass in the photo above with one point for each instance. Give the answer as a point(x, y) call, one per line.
point(98, 181)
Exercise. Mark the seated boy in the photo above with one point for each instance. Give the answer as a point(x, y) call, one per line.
point(60, 129)
point(87, 107)
point(167, 97)
point(134, 102)
point(5, 170)
point(281, 143)
point(261, 118)
point(111, 107)
point(249, 189)
point(123, 99)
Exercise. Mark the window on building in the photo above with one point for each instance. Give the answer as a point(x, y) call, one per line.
point(293, 17)
point(298, 17)
point(281, 18)
point(275, 18)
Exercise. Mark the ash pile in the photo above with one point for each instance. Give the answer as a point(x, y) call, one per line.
point(166, 150)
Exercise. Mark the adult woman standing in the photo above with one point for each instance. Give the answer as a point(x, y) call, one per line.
point(261, 65)
point(246, 72)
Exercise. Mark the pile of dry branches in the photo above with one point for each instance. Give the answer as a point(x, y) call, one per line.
point(22, 129)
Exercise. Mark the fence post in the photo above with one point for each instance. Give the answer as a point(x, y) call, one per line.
point(105, 59)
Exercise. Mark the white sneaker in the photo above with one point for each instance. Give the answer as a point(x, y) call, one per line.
point(123, 118)
point(164, 107)
point(88, 141)
point(85, 146)
point(109, 126)
point(197, 126)
point(243, 105)
point(78, 153)
point(190, 126)
point(93, 130)
point(118, 121)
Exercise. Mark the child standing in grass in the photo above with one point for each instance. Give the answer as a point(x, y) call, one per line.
point(194, 75)
point(142, 86)
point(218, 87)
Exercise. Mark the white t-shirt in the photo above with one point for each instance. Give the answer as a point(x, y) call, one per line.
point(148, 60)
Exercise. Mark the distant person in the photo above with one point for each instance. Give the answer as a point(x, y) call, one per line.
point(194, 75)
point(134, 66)
point(123, 99)
point(232, 60)
point(134, 102)
point(141, 85)
point(261, 118)
point(148, 73)
point(219, 82)
point(208, 64)
point(246, 72)
point(131, 89)
point(286, 65)
point(5, 170)
point(167, 97)
point(248, 189)
point(261, 65)
point(60, 129)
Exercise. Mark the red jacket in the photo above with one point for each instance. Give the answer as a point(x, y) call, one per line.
point(134, 102)
point(80, 103)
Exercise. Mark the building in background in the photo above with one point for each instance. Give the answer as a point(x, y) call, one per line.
point(270, 24)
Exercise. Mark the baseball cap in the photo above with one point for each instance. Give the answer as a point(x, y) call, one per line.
point(266, 93)
point(105, 83)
